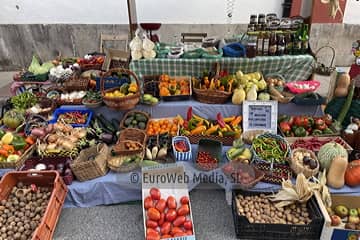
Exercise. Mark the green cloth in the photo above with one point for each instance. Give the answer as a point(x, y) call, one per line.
point(292, 67)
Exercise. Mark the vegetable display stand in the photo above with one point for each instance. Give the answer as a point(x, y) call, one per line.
point(50, 179)
point(76, 83)
point(120, 103)
point(15, 164)
point(91, 163)
point(267, 231)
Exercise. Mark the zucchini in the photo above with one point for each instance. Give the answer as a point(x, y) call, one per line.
point(106, 123)
point(100, 125)
point(116, 124)
point(345, 108)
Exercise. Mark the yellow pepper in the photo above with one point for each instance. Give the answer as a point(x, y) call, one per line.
point(236, 121)
point(133, 88)
point(229, 119)
point(198, 130)
point(212, 130)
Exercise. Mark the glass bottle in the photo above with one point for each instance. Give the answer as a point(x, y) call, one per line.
point(259, 48)
point(261, 19)
point(253, 19)
point(297, 42)
point(280, 45)
point(272, 44)
point(288, 43)
point(266, 40)
point(305, 39)
point(251, 47)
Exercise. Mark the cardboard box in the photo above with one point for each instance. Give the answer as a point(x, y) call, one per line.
point(339, 232)
point(170, 179)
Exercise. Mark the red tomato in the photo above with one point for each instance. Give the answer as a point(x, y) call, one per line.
point(151, 224)
point(170, 215)
point(151, 231)
point(165, 228)
point(155, 193)
point(179, 221)
point(176, 230)
point(166, 236)
point(188, 225)
point(184, 200)
point(171, 202)
point(161, 205)
point(180, 234)
point(183, 210)
point(153, 236)
point(189, 232)
point(148, 202)
point(153, 214)
point(162, 219)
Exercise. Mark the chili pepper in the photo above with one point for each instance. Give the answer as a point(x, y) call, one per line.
point(189, 114)
point(4, 153)
point(212, 130)
point(220, 120)
point(29, 140)
point(236, 121)
point(10, 149)
point(229, 119)
point(198, 130)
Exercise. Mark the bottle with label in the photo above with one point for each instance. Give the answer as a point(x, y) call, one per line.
point(297, 42)
point(305, 39)
point(261, 19)
point(259, 48)
point(280, 45)
point(251, 47)
point(272, 44)
point(266, 41)
point(288, 43)
point(253, 19)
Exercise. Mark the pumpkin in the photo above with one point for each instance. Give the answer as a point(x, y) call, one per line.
point(328, 152)
point(342, 85)
point(352, 174)
point(335, 176)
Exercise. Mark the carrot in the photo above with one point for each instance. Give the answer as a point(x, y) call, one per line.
point(29, 140)
point(8, 148)
point(4, 153)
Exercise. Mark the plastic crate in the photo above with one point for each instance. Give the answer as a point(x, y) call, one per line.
point(59, 111)
point(111, 82)
point(32, 162)
point(46, 228)
point(262, 231)
point(182, 156)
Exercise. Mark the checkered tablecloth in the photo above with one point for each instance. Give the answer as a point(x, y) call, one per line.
point(291, 67)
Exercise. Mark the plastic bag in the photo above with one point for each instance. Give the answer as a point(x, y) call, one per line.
point(136, 42)
point(136, 54)
point(149, 54)
point(147, 45)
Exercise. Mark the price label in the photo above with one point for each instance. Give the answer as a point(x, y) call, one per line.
point(260, 115)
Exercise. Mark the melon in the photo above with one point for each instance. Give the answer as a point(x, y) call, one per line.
point(328, 152)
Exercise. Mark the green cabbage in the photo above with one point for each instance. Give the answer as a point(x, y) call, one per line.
point(38, 69)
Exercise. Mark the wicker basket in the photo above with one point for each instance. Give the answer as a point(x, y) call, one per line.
point(151, 87)
point(120, 148)
point(226, 140)
point(85, 169)
point(211, 96)
point(45, 102)
point(76, 83)
point(133, 134)
point(147, 116)
point(120, 103)
point(16, 164)
point(115, 163)
point(299, 167)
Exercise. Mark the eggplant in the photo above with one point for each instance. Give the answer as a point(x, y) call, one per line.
point(106, 138)
point(50, 167)
point(116, 124)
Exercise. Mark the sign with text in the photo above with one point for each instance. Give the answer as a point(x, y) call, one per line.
point(260, 115)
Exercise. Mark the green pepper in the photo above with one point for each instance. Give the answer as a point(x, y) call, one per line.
point(300, 132)
point(327, 131)
point(18, 143)
point(2, 133)
point(316, 132)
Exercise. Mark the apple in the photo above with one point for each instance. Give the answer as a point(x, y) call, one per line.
point(335, 220)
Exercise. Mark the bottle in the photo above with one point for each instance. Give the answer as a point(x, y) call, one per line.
point(253, 19)
point(288, 43)
point(272, 44)
point(280, 45)
point(259, 48)
point(266, 41)
point(261, 19)
point(251, 47)
point(297, 42)
point(305, 39)
point(251, 28)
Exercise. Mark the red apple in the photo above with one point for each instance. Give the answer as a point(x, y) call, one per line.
point(335, 220)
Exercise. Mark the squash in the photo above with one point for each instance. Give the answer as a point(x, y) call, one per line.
point(352, 174)
point(342, 85)
point(336, 175)
point(238, 96)
point(328, 152)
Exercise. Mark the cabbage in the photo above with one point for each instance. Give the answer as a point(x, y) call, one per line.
point(38, 69)
point(34, 65)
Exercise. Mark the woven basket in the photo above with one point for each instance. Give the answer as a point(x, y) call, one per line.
point(120, 103)
point(133, 134)
point(59, 153)
point(76, 83)
point(85, 169)
point(147, 115)
point(234, 166)
point(151, 87)
point(299, 167)
point(226, 140)
point(120, 148)
point(211, 96)
point(45, 102)
point(115, 163)
point(16, 164)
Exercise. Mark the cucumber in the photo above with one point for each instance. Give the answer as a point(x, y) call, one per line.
point(102, 126)
point(148, 163)
point(128, 121)
point(116, 124)
point(107, 124)
point(345, 108)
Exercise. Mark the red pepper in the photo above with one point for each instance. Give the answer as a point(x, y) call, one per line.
point(220, 120)
point(189, 114)
point(223, 73)
point(285, 127)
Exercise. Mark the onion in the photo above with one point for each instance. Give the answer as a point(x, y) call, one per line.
point(49, 128)
point(40, 167)
point(38, 132)
point(72, 139)
point(51, 146)
point(79, 132)
point(42, 147)
point(51, 167)
point(68, 172)
point(67, 145)
point(52, 138)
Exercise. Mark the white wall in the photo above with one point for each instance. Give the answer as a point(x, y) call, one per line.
point(164, 11)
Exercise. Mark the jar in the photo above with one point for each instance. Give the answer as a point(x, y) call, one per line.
point(271, 16)
point(262, 19)
point(253, 19)
point(251, 47)
point(251, 28)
